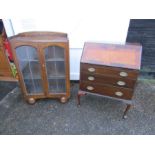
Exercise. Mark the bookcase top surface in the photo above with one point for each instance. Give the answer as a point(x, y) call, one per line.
point(40, 36)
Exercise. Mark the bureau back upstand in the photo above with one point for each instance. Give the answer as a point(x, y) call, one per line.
point(110, 70)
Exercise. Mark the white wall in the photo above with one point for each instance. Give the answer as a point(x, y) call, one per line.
point(8, 27)
point(80, 28)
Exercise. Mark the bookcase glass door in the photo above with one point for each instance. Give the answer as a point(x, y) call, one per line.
point(29, 66)
point(55, 69)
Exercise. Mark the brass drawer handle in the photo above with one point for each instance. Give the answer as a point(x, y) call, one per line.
point(118, 93)
point(121, 83)
point(90, 88)
point(91, 69)
point(91, 78)
point(123, 74)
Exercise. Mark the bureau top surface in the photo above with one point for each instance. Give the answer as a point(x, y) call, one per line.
point(116, 55)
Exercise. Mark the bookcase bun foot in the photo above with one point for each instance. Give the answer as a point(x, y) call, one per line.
point(63, 99)
point(31, 101)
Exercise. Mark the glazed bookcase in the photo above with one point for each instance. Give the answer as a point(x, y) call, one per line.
point(42, 61)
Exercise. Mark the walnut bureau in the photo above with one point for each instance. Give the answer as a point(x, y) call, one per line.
point(110, 70)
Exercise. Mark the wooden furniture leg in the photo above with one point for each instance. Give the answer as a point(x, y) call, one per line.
point(80, 93)
point(63, 100)
point(126, 110)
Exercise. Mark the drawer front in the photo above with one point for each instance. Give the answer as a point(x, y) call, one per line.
point(102, 79)
point(4, 64)
point(107, 90)
point(5, 73)
point(3, 60)
point(111, 71)
point(1, 41)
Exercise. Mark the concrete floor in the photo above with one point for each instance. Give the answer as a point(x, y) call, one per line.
point(96, 115)
point(6, 87)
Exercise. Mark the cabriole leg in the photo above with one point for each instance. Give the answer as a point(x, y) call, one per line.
point(128, 107)
point(80, 93)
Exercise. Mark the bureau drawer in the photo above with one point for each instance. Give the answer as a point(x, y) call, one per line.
point(107, 90)
point(103, 79)
point(111, 71)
